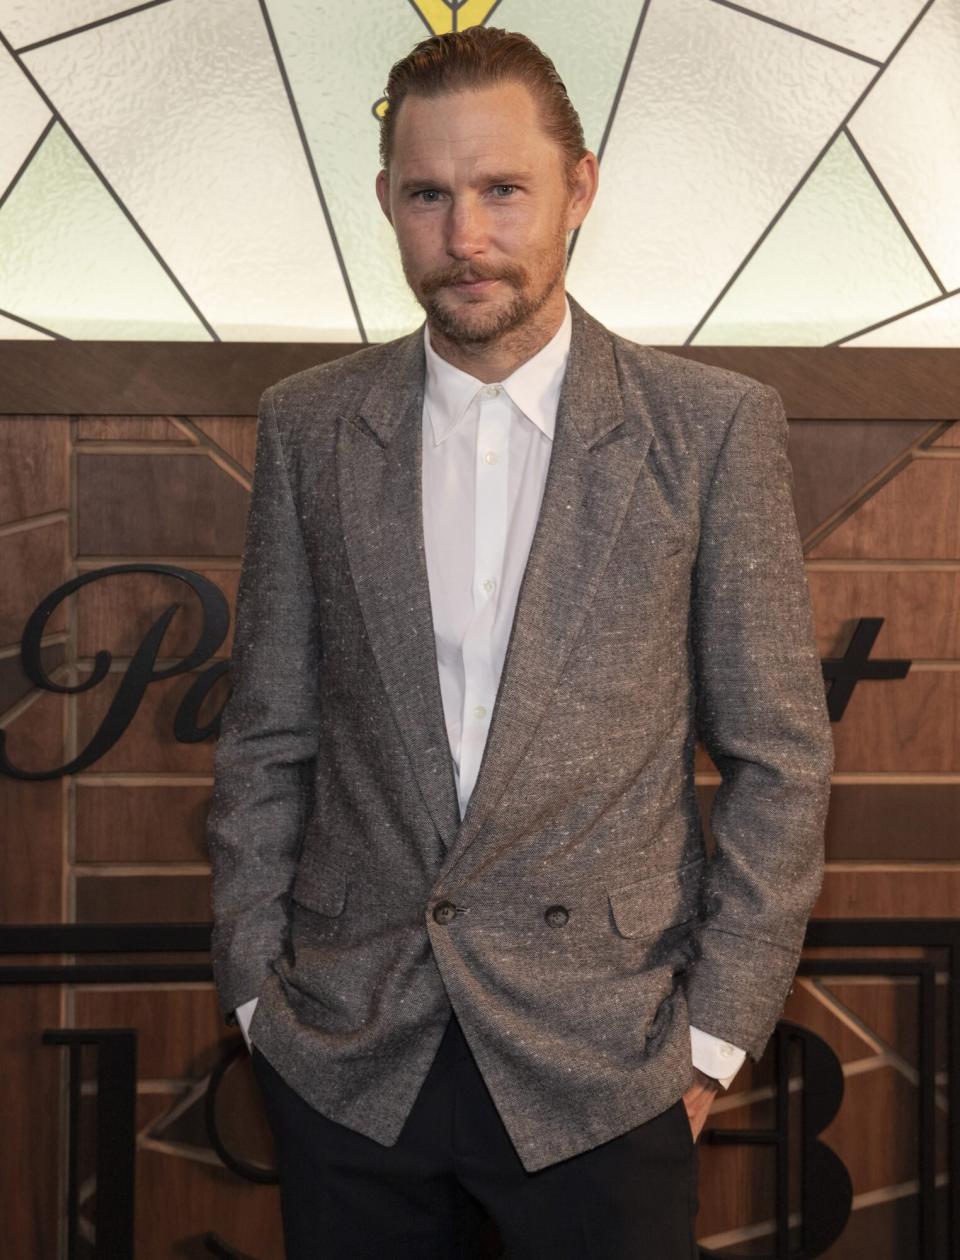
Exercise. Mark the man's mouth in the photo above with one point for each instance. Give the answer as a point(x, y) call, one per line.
point(473, 286)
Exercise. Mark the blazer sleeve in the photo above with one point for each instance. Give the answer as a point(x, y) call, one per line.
point(268, 733)
point(762, 715)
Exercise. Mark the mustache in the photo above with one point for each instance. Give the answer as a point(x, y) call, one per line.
point(454, 277)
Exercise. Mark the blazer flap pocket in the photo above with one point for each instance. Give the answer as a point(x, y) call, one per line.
point(322, 890)
point(657, 902)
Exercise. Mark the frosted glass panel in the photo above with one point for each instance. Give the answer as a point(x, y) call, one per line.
point(909, 129)
point(24, 117)
point(26, 21)
point(71, 262)
point(183, 109)
point(720, 117)
point(10, 330)
point(731, 207)
point(355, 45)
point(871, 27)
point(934, 325)
point(833, 262)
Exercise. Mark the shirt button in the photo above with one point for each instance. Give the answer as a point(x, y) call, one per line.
point(491, 457)
point(488, 584)
point(726, 1052)
point(479, 711)
point(491, 391)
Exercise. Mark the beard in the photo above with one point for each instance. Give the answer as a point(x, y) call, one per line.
point(460, 325)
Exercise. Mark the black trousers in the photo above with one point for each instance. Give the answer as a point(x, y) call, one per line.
point(453, 1188)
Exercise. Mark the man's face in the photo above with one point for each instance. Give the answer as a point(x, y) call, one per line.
point(478, 196)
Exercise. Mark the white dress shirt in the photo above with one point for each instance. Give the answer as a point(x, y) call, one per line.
point(486, 449)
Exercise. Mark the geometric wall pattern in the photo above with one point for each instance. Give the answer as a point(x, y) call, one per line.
point(123, 840)
point(771, 173)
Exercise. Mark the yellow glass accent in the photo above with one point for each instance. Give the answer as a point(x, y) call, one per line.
point(442, 18)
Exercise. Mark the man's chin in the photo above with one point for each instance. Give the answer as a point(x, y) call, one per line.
point(474, 321)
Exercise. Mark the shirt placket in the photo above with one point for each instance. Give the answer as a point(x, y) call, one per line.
point(491, 472)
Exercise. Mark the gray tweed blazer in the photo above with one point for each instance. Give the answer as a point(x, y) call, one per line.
point(574, 918)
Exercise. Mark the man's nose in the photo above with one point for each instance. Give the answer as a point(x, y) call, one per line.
point(466, 230)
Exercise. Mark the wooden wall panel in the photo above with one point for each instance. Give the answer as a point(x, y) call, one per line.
point(950, 438)
point(234, 435)
point(14, 683)
point(33, 455)
point(899, 891)
point(889, 820)
point(33, 1130)
point(40, 554)
point(920, 608)
point(133, 898)
point(914, 516)
point(833, 459)
point(32, 817)
point(148, 745)
point(130, 429)
point(116, 612)
point(906, 726)
point(117, 821)
point(181, 1035)
point(158, 505)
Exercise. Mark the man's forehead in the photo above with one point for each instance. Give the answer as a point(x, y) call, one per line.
point(483, 130)
point(492, 115)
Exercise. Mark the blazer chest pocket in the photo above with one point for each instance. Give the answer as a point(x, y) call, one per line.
point(648, 906)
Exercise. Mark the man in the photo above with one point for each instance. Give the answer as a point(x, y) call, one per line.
point(498, 574)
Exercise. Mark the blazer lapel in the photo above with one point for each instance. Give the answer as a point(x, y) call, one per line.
point(379, 480)
point(598, 452)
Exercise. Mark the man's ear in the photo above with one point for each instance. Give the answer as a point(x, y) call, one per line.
point(383, 194)
point(583, 190)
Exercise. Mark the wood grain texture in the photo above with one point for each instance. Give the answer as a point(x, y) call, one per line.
point(832, 460)
point(129, 429)
point(907, 725)
point(180, 1200)
point(235, 435)
point(31, 817)
point(34, 455)
point(950, 438)
point(32, 1134)
point(38, 556)
point(142, 823)
point(920, 608)
point(148, 744)
point(915, 516)
point(891, 1009)
point(166, 505)
point(180, 1031)
point(889, 821)
point(904, 892)
point(116, 612)
point(197, 379)
point(142, 898)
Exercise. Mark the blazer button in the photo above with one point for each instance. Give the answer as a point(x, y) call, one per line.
point(556, 916)
point(444, 911)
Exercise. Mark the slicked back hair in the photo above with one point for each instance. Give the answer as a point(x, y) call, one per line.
point(482, 57)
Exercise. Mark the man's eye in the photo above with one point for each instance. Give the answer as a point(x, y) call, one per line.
point(428, 195)
point(504, 190)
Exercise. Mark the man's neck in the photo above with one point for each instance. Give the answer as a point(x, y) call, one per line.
point(495, 361)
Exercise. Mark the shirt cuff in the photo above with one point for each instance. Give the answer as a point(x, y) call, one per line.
point(715, 1057)
point(244, 1013)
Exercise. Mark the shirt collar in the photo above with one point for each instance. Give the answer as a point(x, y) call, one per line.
point(534, 387)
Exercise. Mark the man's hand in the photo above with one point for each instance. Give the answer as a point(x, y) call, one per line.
point(699, 1099)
